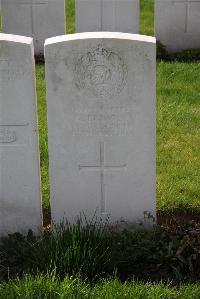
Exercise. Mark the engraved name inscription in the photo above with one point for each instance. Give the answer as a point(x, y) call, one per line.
point(7, 136)
point(14, 134)
point(97, 124)
point(100, 71)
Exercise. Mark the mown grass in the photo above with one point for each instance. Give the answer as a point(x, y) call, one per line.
point(70, 16)
point(178, 131)
point(178, 126)
point(43, 133)
point(147, 17)
point(49, 287)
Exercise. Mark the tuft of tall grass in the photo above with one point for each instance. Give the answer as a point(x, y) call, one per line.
point(71, 249)
point(81, 248)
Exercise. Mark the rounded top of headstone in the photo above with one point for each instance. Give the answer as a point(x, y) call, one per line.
point(99, 35)
point(16, 38)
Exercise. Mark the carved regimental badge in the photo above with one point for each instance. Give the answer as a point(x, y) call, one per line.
point(101, 71)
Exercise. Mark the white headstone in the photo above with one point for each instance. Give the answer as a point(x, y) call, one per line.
point(178, 24)
point(39, 19)
point(20, 204)
point(107, 15)
point(101, 118)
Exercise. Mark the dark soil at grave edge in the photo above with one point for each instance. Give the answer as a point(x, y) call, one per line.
point(146, 256)
point(168, 218)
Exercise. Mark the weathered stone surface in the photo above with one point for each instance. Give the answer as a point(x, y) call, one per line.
point(20, 206)
point(39, 19)
point(107, 15)
point(101, 118)
point(178, 24)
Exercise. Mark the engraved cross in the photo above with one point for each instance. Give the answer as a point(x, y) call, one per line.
point(32, 4)
point(187, 8)
point(102, 167)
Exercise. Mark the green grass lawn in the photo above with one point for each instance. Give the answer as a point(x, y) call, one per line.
point(43, 287)
point(178, 125)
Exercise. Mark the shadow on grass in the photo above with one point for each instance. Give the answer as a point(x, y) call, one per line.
point(186, 56)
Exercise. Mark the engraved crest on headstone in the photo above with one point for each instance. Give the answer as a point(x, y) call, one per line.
point(101, 71)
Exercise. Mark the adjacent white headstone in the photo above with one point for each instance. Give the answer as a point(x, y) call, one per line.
point(101, 118)
point(20, 205)
point(39, 19)
point(107, 15)
point(178, 24)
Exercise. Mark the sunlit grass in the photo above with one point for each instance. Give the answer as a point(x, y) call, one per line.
point(147, 17)
point(178, 132)
point(50, 287)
